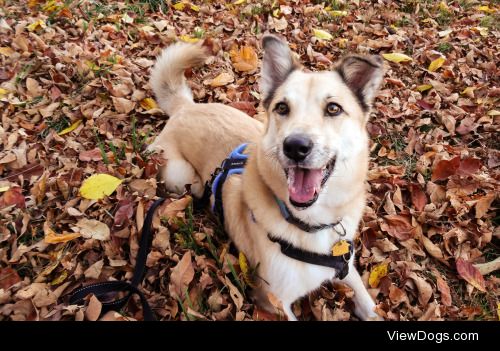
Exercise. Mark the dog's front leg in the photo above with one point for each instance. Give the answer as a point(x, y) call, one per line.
point(364, 305)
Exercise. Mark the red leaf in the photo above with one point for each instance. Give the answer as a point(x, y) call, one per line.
point(91, 155)
point(124, 213)
point(13, 196)
point(425, 105)
point(471, 274)
point(445, 168)
point(245, 106)
point(466, 125)
point(469, 166)
point(8, 277)
point(418, 197)
point(398, 227)
point(444, 289)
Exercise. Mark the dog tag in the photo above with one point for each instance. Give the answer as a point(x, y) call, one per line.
point(340, 248)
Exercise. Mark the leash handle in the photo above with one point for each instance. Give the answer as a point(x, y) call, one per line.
point(103, 288)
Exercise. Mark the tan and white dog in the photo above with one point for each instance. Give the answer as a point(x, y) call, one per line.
point(311, 154)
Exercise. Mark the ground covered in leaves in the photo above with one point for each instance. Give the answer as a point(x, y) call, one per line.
point(75, 102)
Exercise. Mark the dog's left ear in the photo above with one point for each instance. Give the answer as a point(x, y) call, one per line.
point(363, 75)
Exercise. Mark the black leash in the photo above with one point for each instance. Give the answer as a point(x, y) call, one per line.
point(99, 289)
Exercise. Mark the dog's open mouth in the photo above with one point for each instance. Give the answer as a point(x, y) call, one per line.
point(304, 184)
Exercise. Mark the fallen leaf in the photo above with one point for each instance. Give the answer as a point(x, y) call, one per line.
point(424, 87)
point(397, 57)
point(377, 273)
point(470, 274)
point(70, 128)
point(51, 237)
point(483, 205)
point(445, 169)
point(148, 104)
point(322, 34)
point(94, 309)
point(418, 197)
point(93, 229)
point(13, 196)
point(488, 267)
point(123, 105)
point(94, 271)
point(424, 288)
point(222, 79)
point(244, 59)
point(8, 277)
point(436, 64)
point(98, 186)
point(181, 275)
point(172, 209)
point(398, 227)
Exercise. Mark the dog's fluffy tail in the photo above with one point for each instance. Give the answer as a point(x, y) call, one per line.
point(167, 77)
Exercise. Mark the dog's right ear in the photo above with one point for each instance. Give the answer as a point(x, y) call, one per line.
point(277, 65)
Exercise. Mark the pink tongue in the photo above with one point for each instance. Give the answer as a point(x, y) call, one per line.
point(303, 183)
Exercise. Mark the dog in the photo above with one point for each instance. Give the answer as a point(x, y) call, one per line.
point(302, 192)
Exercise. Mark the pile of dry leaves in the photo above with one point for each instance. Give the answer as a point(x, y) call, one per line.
point(75, 105)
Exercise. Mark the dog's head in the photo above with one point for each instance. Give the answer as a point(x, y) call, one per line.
point(316, 120)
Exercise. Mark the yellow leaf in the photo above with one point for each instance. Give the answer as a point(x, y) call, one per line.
point(493, 113)
point(486, 9)
point(377, 273)
point(244, 59)
point(148, 104)
point(127, 19)
point(343, 43)
point(469, 91)
point(6, 51)
point(483, 31)
point(3, 91)
point(443, 6)
point(147, 29)
point(239, 2)
point(436, 64)
point(179, 6)
point(397, 57)
point(424, 87)
point(188, 39)
point(336, 13)
point(276, 12)
point(340, 248)
point(62, 277)
point(98, 186)
point(37, 24)
point(222, 79)
point(321, 34)
point(4, 188)
point(51, 237)
point(498, 310)
point(195, 8)
point(51, 6)
point(244, 269)
point(70, 128)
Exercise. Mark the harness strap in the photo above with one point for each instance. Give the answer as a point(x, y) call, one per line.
point(339, 263)
point(103, 288)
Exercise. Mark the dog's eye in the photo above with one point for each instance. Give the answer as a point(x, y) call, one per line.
point(282, 108)
point(333, 109)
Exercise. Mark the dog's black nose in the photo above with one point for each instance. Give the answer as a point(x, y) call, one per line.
point(297, 146)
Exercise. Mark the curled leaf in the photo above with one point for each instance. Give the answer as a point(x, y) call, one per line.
point(377, 273)
point(436, 64)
